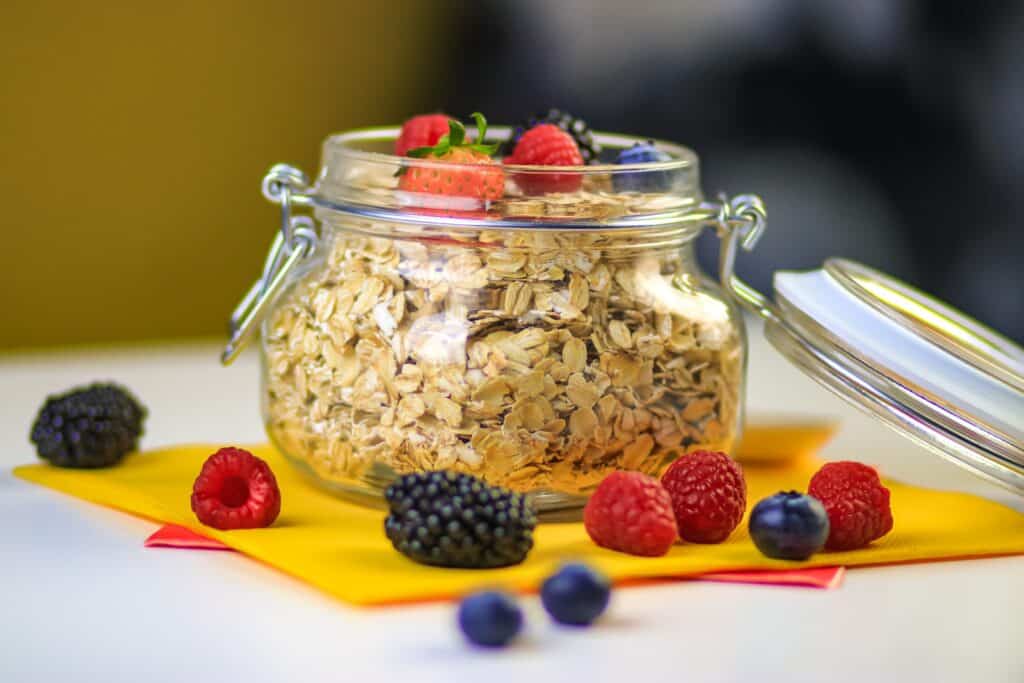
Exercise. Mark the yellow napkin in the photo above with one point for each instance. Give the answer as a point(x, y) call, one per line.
point(341, 548)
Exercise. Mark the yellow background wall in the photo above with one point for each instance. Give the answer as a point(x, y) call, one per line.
point(133, 137)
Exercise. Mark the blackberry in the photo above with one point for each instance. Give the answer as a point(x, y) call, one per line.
point(590, 149)
point(88, 427)
point(449, 519)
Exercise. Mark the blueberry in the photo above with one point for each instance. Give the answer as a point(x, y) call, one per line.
point(642, 181)
point(490, 619)
point(575, 595)
point(789, 526)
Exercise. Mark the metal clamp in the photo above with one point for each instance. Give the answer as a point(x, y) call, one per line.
point(740, 221)
point(294, 242)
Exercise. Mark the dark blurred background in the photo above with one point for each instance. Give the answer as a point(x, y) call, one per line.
point(887, 131)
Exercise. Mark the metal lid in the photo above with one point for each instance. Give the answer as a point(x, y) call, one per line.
point(925, 369)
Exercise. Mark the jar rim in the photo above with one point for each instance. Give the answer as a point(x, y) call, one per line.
point(359, 176)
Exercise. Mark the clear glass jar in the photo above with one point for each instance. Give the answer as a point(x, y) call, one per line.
point(539, 341)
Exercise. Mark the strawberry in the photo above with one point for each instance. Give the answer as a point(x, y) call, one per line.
point(546, 145)
point(473, 172)
point(421, 131)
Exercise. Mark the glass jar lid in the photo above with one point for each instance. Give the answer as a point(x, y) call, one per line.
point(925, 369)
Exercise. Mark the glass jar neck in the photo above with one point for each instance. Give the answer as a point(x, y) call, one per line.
point(359, 173)
point(678, 237)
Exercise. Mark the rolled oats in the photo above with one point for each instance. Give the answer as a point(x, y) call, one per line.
point(538, 359)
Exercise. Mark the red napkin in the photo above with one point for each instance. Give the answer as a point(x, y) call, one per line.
point(813, 577)
point(174, 536)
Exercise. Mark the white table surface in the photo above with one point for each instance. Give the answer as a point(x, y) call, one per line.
point(82, 600)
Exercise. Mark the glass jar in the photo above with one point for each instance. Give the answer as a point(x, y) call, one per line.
point(539, 341)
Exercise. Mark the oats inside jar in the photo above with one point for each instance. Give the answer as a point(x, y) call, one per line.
point(537, 359)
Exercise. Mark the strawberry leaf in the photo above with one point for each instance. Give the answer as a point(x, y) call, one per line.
point(456, 134)
point(489, 150)
point(481, 126)
point(419, 152)
point(456, 138)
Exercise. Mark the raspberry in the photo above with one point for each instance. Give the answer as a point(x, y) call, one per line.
point(421, 131)
point(631, 512)
point(546, 145)
point(235, 490)
point(856, 502)
point(590, 149)
point(708, 494)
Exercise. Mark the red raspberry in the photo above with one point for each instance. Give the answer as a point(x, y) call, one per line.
point(631, 512)
point(546, 145)
point(235, 490)
point(709, 495)
point(421, 131)
point(856, 502)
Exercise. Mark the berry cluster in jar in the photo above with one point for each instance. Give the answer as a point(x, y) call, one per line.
point(480, 170)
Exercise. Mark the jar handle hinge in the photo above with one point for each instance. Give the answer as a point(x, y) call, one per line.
point(739, 221)
point(294, 242)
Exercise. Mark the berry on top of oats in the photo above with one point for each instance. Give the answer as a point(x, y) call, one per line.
point(546, 145)
point(642, 181)
point(421, 131)
point(472, 171)
point(590, 149)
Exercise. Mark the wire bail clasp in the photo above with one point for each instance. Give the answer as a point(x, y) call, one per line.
point(740, 221)
point(293, 243)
